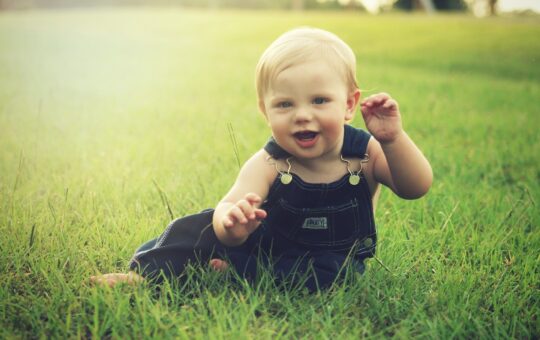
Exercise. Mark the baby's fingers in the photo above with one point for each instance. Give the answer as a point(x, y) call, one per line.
point(227, 222)
point(260, 214)
point(390, 104)
point(234, 214)
point(247, 209)
point(252, 198)
point(381, 98)
point(376, 99)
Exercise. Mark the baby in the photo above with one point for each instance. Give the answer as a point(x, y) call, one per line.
point(304, 203)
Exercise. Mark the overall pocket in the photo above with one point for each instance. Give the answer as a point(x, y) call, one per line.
point(323, 226)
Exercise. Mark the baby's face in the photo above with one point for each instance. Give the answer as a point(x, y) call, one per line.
point(306, 107)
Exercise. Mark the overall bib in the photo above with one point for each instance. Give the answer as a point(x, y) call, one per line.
point(310, 233)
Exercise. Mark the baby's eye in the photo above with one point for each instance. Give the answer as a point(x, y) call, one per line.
point(320, 100)
point(284, 105)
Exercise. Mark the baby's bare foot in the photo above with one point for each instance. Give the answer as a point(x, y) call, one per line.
point(113, 279)
point(219, 265)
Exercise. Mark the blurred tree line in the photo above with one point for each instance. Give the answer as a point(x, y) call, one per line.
point(408, 5)
point(270, 4)
point(437, 4)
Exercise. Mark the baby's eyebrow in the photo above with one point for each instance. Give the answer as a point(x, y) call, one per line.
point(280, 99)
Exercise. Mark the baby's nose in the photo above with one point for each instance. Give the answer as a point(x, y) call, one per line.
point(303, 114)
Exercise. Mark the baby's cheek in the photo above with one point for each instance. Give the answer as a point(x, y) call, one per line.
point(333, 128)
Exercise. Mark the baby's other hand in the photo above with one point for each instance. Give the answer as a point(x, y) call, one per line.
point(382, 117)
point(243, 217)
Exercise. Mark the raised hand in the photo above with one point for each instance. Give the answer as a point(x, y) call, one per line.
point(243, 217)
point(382, 117)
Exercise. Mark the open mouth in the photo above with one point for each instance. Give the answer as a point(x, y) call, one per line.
point(305, 135)
point(306, 139)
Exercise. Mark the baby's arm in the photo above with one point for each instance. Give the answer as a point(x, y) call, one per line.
point(397, 161)
point(238, 214)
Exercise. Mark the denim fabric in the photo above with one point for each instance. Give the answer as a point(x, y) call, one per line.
point(309, 234)
point(335, 216)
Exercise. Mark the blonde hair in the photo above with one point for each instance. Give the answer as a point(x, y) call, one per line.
point(299, 45)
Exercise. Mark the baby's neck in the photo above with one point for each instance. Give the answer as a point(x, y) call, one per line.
point(324, 169)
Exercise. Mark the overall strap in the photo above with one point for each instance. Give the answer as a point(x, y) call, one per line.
point(276, 151)
point(355, 143)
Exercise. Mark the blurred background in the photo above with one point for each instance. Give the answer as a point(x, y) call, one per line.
point(480, 8)
point(117, 116)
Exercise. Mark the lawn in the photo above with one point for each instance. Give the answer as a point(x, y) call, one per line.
point(113, 120)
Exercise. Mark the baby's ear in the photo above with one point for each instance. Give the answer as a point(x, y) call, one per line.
point(352, 102)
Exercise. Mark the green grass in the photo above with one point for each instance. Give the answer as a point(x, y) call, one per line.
point(100, 108)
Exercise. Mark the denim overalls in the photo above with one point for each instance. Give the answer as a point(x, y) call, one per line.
point(309, 233)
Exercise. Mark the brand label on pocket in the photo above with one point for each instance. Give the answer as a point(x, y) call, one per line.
point(315, 223)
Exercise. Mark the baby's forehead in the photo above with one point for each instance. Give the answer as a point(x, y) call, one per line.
point(285, 54)
point(317, 66)
point(325, 55)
